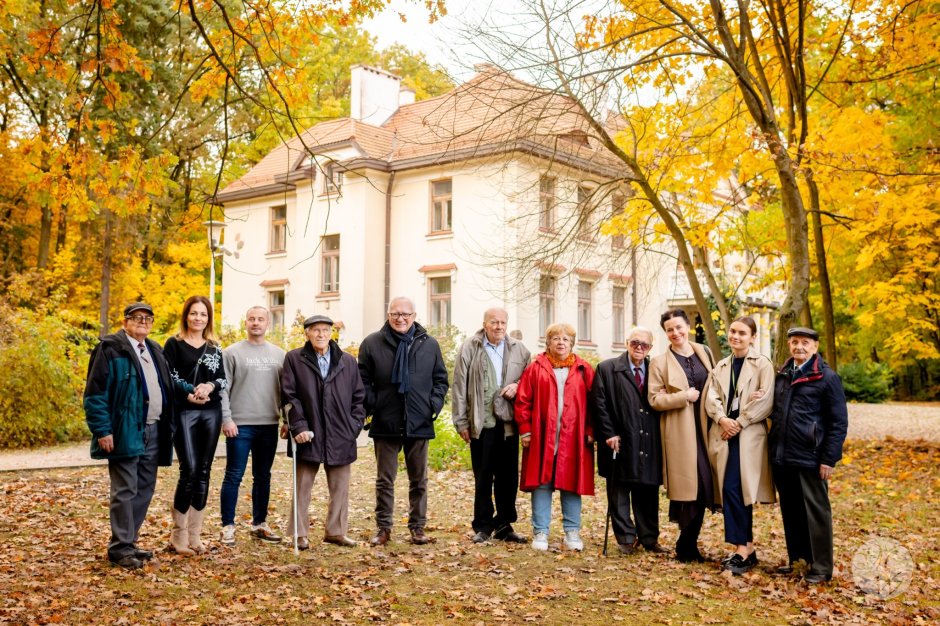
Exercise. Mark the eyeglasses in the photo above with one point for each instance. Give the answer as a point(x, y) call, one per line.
point(639, 344)
point(140, 319)
point(400, 316)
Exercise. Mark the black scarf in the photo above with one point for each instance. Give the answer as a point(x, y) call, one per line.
point(400, 374)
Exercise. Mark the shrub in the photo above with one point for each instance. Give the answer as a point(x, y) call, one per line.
point(866, 382)
point(44, 362)
point(447, 450)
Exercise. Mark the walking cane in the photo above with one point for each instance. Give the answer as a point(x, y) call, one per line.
point(292, 451)
point(607, 523)
point(294, 493)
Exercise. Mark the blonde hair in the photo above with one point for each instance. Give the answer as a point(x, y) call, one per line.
point(560, 328)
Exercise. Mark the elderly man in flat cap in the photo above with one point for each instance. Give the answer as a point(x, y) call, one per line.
point(323, 394)
point(807, 431)
point(129, 410)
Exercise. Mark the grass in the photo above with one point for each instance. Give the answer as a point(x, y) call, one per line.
point(54, 528)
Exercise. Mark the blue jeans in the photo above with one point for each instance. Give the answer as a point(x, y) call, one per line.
point(542, 509)
point(261, 443)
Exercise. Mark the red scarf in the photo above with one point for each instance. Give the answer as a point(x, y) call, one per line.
point(556, 363)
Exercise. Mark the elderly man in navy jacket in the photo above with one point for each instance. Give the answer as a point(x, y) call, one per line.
point(806, 436)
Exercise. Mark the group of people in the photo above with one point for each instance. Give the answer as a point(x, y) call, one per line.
point(718, 434)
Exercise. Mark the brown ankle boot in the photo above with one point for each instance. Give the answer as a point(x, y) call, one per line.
point(195, 530)
point(179, 537)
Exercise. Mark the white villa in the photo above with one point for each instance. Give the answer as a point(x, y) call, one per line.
point(459, 202)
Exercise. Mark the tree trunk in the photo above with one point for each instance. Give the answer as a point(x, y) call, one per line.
point(822, 271)
point(701, 255)
point(105, 302)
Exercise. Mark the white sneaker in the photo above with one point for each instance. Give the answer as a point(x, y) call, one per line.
point(228, 535)
point(540, 542)
point(573, 540)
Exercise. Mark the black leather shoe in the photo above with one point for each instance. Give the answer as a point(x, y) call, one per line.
point(513, 537)
point(143, 555)
point(128, 562)
point(815, 579)
point(626, 548)
point(738, 564)
point(481, 537)
point(691, 556)
point(784, 570)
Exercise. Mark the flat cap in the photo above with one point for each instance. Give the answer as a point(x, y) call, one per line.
point(802, 331)
point(137, 306)
point(317, 319)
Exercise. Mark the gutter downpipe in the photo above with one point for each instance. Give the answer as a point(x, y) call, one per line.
point(388, 240)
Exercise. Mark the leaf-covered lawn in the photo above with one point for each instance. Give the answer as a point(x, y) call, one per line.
point(54, 529)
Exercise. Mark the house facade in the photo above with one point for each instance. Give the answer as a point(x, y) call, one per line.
point(491, 195)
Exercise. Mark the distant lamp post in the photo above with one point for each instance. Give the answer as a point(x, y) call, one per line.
point(214, 229)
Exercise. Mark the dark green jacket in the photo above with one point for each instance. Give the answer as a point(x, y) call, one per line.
point(116, 399)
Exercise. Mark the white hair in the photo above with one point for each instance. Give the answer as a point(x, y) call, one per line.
point(401, 299)
point(636, 330)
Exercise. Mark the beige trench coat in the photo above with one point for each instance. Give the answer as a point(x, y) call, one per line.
point(667, 393)
point(757, 372)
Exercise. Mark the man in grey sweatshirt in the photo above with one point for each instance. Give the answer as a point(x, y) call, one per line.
point(250, 411)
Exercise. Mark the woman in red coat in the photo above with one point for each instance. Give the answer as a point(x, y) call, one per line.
point(552, 411)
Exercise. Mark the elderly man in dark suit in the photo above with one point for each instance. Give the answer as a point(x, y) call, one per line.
point(629, 457)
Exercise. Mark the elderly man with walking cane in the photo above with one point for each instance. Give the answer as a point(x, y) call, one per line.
point(629, 457)
point(323, 394)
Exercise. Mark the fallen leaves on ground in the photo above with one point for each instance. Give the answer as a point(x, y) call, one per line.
point(54, 530)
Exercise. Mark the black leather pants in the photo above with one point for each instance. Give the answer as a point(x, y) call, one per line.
point(196, 438)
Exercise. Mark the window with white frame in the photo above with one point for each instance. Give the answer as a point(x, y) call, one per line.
point(441, 205)
point(547, 203)
point(439, 304)
point(585, 211)
point(277, 241)
point(330, 263)
point(585, 292)
point(276, 301)
point(332, 179)
point(618, 314)
point(546, 302)
point(617, 208)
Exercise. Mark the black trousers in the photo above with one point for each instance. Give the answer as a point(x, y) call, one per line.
point(739, 518)
point(495, 460)
point(807, 516)
point(195, 442)
point(645, 500)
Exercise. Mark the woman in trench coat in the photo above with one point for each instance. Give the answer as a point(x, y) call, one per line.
point(677, 380)
point(739, 400)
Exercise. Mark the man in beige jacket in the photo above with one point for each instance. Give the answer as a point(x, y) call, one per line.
point(486, 376)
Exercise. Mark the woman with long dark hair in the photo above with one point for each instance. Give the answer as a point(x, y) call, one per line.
point(677, 379)
point(195, 361)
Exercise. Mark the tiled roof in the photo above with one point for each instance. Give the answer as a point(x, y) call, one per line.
point(491, 113)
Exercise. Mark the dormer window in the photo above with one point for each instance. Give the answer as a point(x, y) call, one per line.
point(332, 179)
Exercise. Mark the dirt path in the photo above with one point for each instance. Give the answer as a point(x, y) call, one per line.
point(866, 421)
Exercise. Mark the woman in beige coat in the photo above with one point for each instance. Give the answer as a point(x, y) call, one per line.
point(676, 382)
point(740, 398)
